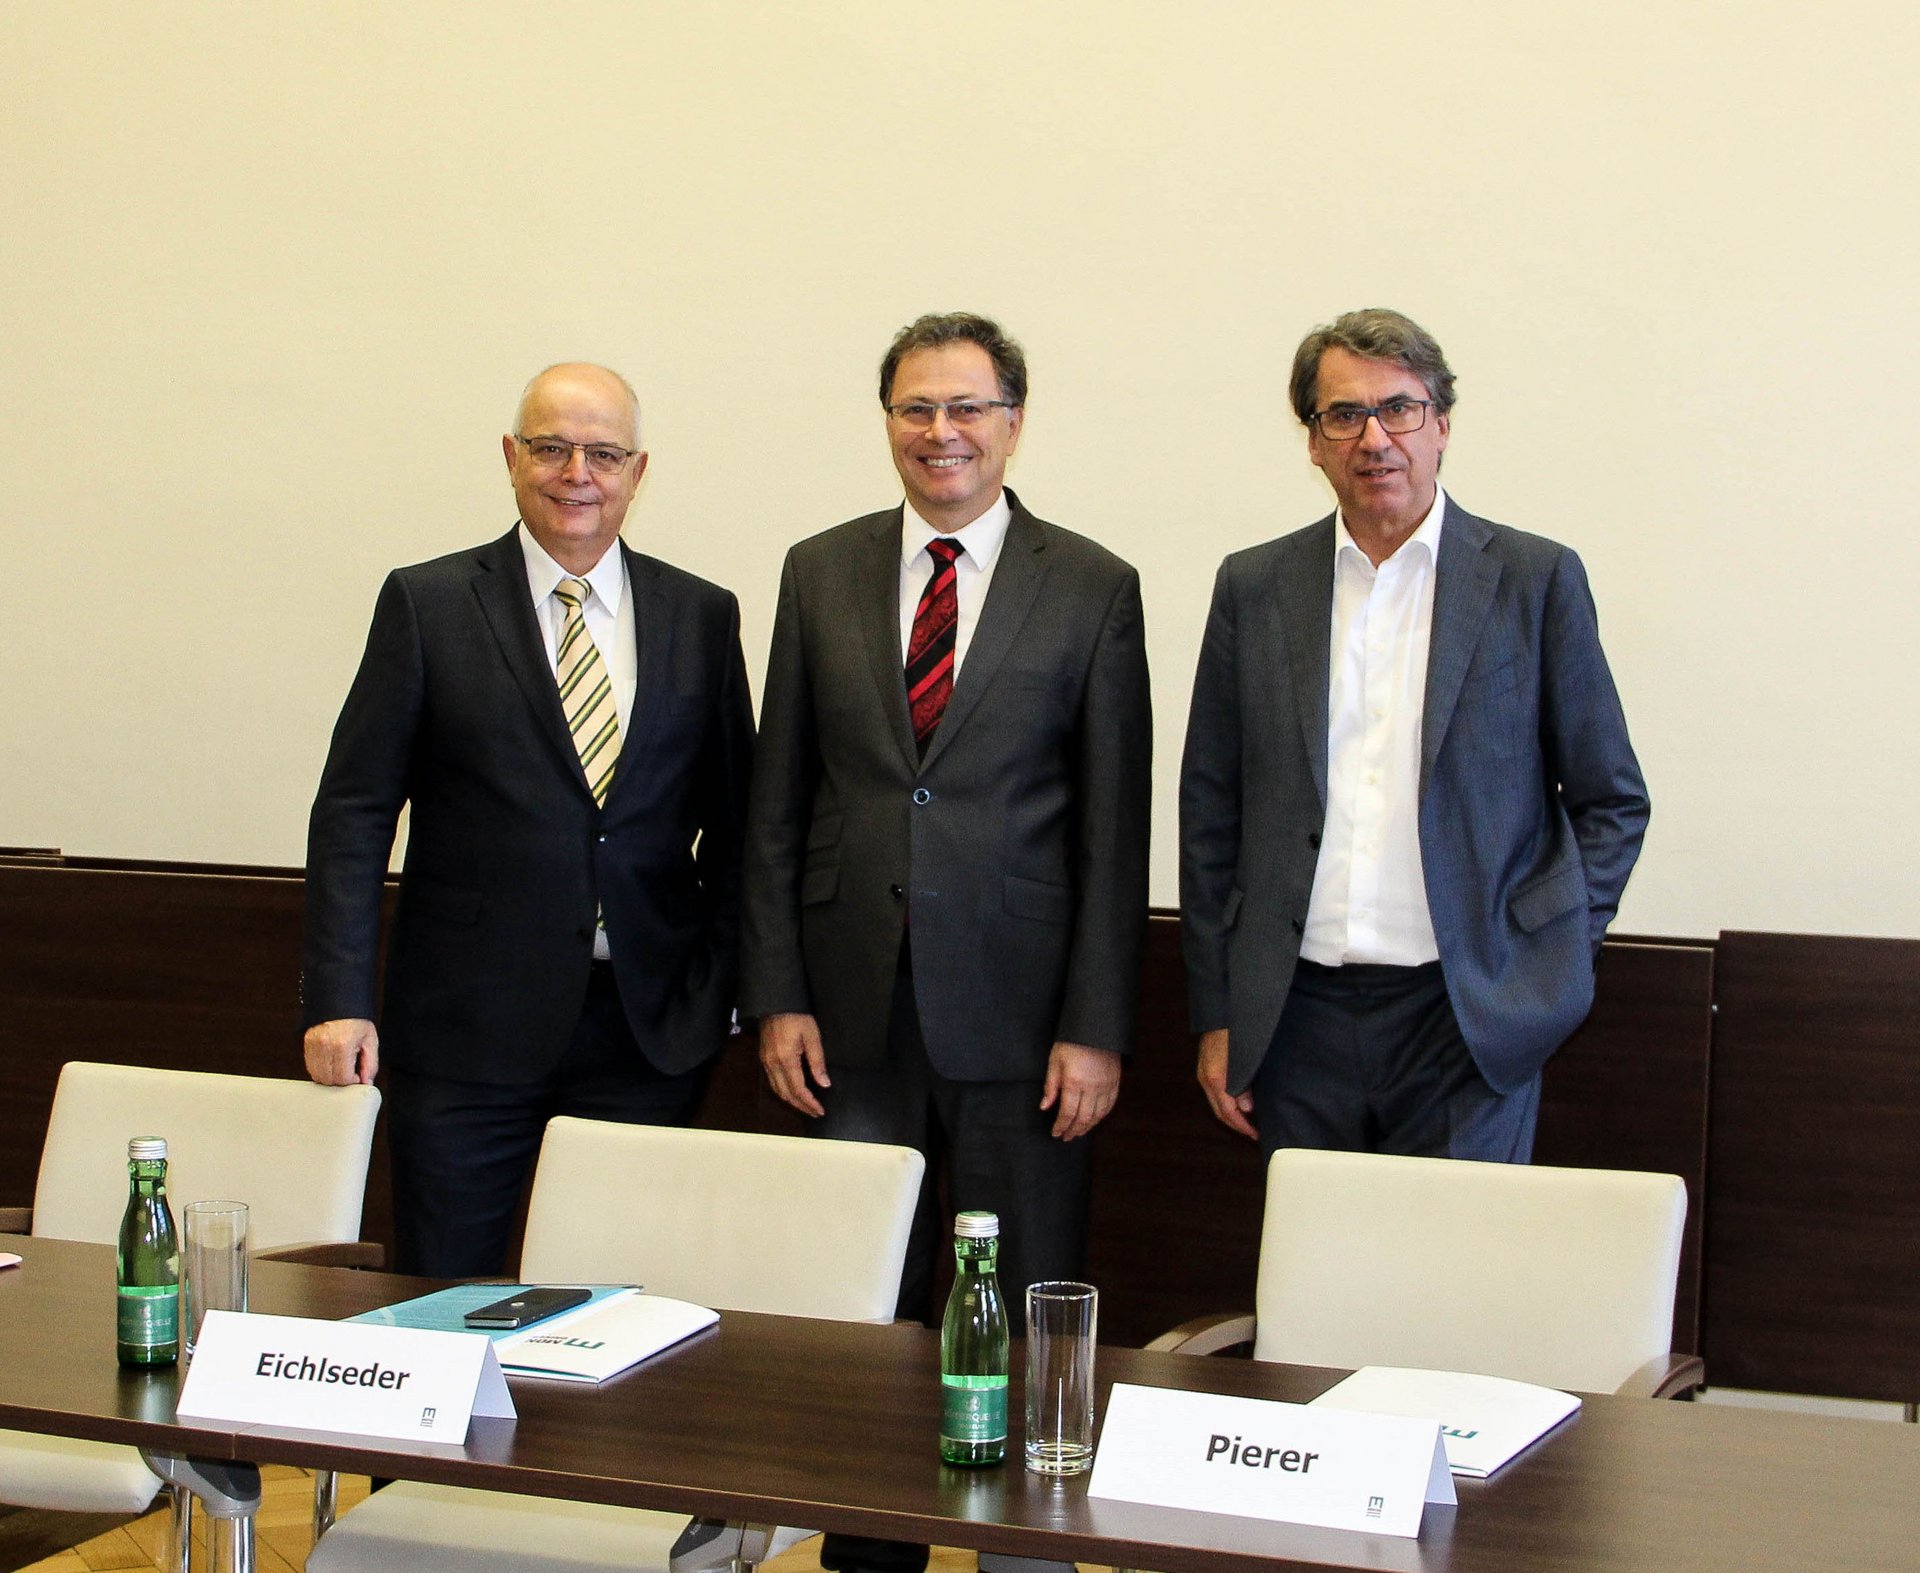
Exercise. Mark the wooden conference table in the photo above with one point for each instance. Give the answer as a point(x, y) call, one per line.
point(833, 1425)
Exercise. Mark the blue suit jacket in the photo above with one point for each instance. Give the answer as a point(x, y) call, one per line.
point(1532, 806)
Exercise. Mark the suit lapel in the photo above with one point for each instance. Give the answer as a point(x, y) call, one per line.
point(1301, 624)
point(876, 596)
point(500, 586)
point(653, 664)
point(1464, 580)
point(1010, 596)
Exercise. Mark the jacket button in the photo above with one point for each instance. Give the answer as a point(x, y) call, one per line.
point(1299, 927)
point(1313, 839)
point(922, 795)
point(896, 892)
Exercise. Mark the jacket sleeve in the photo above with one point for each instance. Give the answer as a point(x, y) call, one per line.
point(1210, 811)
point(1114, 805)
point(785, 769)
point(726, 769)
point(355, 811)
point(1584, 739)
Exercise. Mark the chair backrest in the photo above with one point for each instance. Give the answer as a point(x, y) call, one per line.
point(796, 1225)
point(294, 1152)
point(1562, 1277)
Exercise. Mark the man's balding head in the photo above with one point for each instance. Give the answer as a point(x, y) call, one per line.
point(575, 461)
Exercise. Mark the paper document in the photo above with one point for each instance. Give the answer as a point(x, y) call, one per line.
point(1484, 1420)
point(603, 1339)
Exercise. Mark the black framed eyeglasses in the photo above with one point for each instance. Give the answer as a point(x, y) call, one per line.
point(556, 453)
point(1397, 417)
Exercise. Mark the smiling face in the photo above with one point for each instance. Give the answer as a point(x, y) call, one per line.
point(1385, 483)
point(952, 476)
point(572, 511)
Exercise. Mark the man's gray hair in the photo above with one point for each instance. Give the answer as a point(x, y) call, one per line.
point(1377, 334)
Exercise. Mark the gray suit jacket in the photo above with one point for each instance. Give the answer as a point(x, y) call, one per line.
point(455, 712)
point(1532, 806)
point(1019, 845)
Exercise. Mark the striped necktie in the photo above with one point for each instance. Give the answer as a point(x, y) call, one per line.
point(930, 651)
point(586, 692)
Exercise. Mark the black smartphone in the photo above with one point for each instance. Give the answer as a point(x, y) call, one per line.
point(527, 1306)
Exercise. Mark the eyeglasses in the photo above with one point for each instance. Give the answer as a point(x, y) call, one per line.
point(1397, 417)
point(551, 453)
point(959, 412)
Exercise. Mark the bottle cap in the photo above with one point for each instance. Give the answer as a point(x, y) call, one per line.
point(146, 1148)
point(976, 1226)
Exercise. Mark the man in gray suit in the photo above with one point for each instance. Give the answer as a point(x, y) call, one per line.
point(947, 833)
point(1408, 804)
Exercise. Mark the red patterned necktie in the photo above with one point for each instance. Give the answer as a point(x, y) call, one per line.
point(930, 651)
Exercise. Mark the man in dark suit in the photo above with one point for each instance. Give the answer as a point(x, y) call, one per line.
point(947, 842)
point(570, 723)
point(1408, 805)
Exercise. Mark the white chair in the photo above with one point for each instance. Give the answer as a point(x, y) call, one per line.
point(294, 1152)
point(1562, 1277)
point(697, 1215)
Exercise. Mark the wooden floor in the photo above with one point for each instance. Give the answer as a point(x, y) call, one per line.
point(285, 1526)
point(285, 1531)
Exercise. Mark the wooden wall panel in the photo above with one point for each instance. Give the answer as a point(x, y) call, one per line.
point(1808, 1200)
point(1629, 1089)
point(1175, 1231)
point(1813, 1206)
point(195, 968)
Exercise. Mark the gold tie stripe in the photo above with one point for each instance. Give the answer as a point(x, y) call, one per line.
point(586, 692)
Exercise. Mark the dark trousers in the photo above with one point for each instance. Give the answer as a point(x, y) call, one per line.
point(999, 1156)
point(464, 1151)
point(1370, 1059)
point(994, 1142)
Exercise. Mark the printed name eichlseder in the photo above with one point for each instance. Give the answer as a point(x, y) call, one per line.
point(305, 1368)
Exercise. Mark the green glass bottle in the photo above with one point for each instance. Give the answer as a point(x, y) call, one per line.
point(973, 1348)
point(147, 1262)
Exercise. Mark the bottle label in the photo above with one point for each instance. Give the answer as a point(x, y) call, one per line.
point(149, 1317)
point(973, 1408)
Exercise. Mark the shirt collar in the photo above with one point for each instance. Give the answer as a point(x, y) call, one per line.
point(1427, 536)
point(980, 540)
point(608, 577)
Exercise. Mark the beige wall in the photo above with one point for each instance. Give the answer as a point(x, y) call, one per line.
point(273, 274)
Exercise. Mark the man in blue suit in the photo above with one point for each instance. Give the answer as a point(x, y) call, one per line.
point(1408, 803)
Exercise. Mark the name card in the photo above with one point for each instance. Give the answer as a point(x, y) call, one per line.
point(1255, 1458)
point(351, 1377)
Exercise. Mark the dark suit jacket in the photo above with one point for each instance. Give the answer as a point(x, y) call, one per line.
point(455, 711)
point(1531, 802)
point(1020, 845)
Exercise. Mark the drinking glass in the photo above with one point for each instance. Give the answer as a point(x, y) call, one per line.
point(1062, 1319)
point(214, 1270)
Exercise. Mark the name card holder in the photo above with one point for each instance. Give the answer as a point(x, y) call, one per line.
point(1255, 1458)
point(355, 1378)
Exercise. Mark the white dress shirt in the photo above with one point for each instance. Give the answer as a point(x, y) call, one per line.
point(608, 610)
point(980, 544)
point(1369, 901)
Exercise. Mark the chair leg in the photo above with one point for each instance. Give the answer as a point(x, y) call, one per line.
point(230, 1494)
point(230, 1545)
point(180, 1529)
point(713, 1545)
point(326, 1502)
